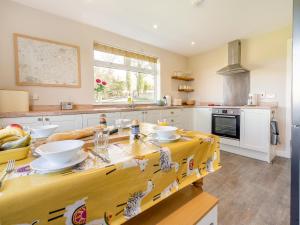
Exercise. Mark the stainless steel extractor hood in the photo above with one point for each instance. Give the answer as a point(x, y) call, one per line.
point(234, 60)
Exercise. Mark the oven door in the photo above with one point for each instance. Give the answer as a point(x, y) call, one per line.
point(226, 125)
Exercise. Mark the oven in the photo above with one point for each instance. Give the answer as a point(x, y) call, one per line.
point(226, 123)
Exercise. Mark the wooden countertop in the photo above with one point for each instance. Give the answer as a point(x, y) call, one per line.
point(55, 111)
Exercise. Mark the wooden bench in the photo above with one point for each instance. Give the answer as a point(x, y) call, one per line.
point(188, 206)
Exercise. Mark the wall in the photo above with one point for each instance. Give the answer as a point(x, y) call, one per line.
point(265, 56)
point(15, 18)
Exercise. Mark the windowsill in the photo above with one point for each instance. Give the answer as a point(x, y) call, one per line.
point(118, 104)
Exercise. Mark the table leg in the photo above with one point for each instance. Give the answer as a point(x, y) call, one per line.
point(199, 184)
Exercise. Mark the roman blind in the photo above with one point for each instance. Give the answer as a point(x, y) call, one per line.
point(121, 52)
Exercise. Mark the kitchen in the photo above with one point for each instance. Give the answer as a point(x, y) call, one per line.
point(189, 71)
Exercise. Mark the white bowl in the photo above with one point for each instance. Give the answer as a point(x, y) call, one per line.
point(60, 152)
point(165, 131)
point(43, 131)
point(123, 123)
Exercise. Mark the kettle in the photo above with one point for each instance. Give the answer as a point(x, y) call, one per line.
point(168, 100)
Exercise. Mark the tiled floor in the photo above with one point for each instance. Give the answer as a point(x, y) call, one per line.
point(251, 192)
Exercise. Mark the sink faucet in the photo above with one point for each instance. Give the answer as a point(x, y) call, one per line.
point(131, 101)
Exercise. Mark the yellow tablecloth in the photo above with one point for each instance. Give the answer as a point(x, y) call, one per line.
point(96, 193)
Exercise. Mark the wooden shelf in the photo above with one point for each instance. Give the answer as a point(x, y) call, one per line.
point(182, 90)
point(183, 78)
point(187, 206)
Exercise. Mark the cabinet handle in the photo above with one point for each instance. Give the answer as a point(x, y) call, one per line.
point(172, 121)
point(103, 115)
point(146, 112)
point(40, 119)
point(172, 112)
point(47, 119)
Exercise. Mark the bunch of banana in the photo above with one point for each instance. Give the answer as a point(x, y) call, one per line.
point(13, 136)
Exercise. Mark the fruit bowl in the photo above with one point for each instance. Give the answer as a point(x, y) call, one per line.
point(16, 154)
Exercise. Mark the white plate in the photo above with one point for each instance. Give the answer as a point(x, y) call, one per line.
point(174, 137)
point(43, 165)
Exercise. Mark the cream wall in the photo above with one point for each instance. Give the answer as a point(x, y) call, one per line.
point(25, 20)
point(265, 56)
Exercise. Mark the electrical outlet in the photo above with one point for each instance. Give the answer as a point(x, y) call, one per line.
point(35, 97)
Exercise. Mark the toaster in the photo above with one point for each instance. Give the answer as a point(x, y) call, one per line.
point(66, 105)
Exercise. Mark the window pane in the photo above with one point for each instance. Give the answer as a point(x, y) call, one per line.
point(107, 57)
point(141, 64)
point(122, 83)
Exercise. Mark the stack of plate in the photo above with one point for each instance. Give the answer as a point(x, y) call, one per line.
point(59, 155)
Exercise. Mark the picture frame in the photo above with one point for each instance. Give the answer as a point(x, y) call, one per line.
point(43, 62)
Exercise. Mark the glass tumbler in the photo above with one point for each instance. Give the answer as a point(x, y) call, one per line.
point(101, 140)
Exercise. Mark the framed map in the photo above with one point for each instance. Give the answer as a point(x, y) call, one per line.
point(41, 62)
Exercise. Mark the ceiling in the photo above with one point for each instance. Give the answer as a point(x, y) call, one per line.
point(179, 22)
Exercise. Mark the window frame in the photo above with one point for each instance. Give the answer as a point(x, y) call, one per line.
point(127, 67)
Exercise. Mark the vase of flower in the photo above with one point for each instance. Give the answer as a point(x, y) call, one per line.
point(99, 90)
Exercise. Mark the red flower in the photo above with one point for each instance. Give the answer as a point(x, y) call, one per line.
point(104, 83)
point(98, 81)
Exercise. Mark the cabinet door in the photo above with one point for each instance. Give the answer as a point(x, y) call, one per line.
point(167, 113)
point(138, 115)
point(30, 122)
point(90, 120)
point(152, 116)
point(65, 122)
point(202, 119)
point(187, 119)
point(173, 117)
point(255, 129)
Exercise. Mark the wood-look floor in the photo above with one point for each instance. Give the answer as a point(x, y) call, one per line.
point(251, 192)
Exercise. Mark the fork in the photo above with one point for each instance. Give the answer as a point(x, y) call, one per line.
point(9, 168)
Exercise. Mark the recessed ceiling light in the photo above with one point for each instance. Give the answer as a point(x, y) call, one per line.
point(197, 3)
point(193, 43)
point(155, 26)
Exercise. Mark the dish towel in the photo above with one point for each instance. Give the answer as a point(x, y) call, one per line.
point(274, 133)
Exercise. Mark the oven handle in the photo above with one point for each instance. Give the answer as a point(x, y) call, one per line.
point(224, 116)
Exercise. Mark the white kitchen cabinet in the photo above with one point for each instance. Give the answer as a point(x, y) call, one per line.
point(255, 129)
point(152, 116)
point(202, 119)
point(65, 122)
point(187, 119)
point(89, 120)
point(34, 121)
point(139, 115)
point(171, 113)
point(173, 117)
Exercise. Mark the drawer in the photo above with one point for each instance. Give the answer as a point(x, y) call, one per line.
point(90, 120)
point(171, 113)
point(115, 115)
point(133, 115)
point(23, 121)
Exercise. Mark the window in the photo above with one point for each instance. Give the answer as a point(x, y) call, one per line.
point(124, 74)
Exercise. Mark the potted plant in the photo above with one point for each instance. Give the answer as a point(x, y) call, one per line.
point(99, 89)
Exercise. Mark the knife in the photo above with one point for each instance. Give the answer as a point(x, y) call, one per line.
point(99, 156)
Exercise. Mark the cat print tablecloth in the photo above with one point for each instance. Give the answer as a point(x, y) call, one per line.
point(95, 193)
